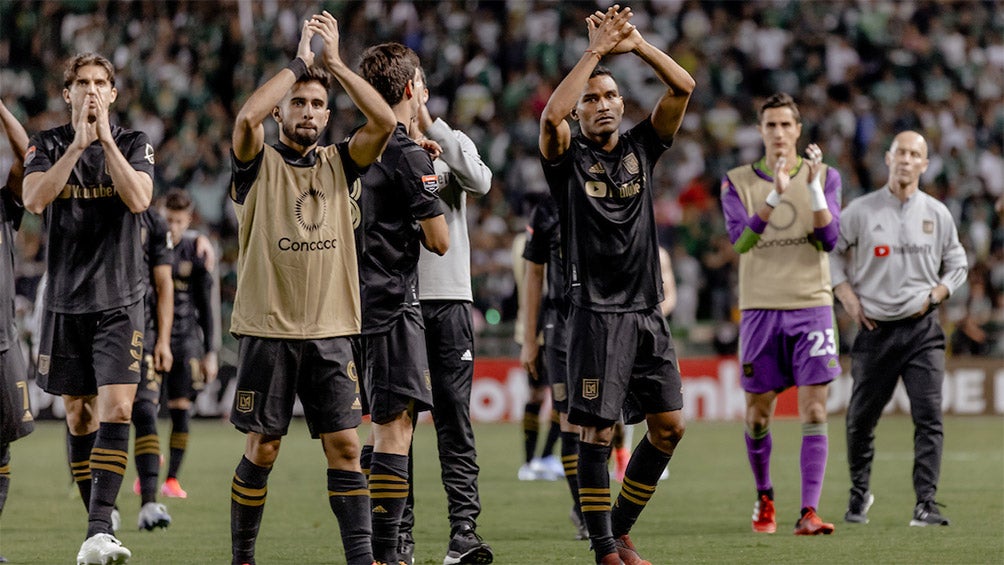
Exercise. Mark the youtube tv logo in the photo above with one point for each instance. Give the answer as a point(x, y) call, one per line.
point(882, 250)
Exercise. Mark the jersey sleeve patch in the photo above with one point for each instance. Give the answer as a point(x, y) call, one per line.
point(430, 183)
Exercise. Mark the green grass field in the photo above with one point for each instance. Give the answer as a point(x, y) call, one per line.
point(700, 515)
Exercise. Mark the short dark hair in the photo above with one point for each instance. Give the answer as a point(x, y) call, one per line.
point(600, 70)
point(779, 100)
point(315, 74)
point(389, 67)
point(82, 60)
point(177, 200)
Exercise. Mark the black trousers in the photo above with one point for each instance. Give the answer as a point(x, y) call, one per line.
point(913, 349)
point(449, 338)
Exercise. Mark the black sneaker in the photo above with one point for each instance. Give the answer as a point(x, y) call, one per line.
point(406, 548)
point(467, 547)
point(857, 509)
point(926, 514)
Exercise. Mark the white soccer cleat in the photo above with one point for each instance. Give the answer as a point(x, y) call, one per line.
point(102, 549)
point(542, 472)
point(555, 469)
point(525, 473)
point(116, 520)
point(153, 515)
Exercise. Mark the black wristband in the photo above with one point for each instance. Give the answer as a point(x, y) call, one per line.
point(298, 66)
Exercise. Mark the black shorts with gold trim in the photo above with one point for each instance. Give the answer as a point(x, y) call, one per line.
point(80, 352)
point(616, 356)
point(396, 368)
point(271, 373)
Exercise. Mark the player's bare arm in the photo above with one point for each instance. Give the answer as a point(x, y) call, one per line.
point(18, 140)
point(163, 359)
point(555, 133)
point(533, 277)
point(135, 188)
point(435, 234)
point(249, 134)
point(814, 160)
point(845, 294)
point(368, 142)
point(204, 250)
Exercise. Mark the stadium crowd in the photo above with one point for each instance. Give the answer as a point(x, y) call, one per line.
point(861, 72)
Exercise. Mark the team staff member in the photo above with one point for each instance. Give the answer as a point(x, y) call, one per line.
point(782, 214)
point(158, 308)
point(400, 212)
point(444, 291)
point(91, 180)
point(601, 181)
point(904, 260)
point(15, 413)
point(297, 304)
point(195, 335)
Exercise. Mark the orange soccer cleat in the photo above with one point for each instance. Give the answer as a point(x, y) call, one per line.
point(763, 516)
point(810, 524)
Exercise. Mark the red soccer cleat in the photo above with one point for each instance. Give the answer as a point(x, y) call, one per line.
point(172, 489)
point(627, 552)
point(763, 516)
point(810, 524)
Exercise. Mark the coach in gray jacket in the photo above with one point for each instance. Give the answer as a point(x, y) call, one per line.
point(903, 260)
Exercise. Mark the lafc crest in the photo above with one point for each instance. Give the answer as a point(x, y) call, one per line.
point(244, 401)
point(590, 389)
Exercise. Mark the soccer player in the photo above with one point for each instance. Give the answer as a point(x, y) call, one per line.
point(905, 259)
point(547, 314)
point(545, 467)
point(444, 291)
point(15, 412)
point(401, 211)
point(297, 304)
point(91, 180)
point(158, 310)
point(782, 214)
point(601, 181)
point(195, 335)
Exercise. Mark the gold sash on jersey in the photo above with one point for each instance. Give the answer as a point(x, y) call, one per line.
point(297, 271)
point(785, 270)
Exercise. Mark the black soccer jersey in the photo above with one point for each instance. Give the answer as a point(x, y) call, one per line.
point(193, 287)
point(95, 258)
point(156, 239)
point(397, 191)
point(10, 220)
point(543, 247)
point(608, 236)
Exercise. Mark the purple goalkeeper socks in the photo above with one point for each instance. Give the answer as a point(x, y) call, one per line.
point(758, 451)
point(813, 459)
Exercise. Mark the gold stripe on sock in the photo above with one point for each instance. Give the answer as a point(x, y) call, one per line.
point(639, 486)
point(354, 492)
point(380, 494)
point(246, 501)
point(179, 440)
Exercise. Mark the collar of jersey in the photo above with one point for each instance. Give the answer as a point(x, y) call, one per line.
point(293, 157)
point(764, 171)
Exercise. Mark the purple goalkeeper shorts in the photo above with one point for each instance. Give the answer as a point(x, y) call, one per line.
point(781, 348)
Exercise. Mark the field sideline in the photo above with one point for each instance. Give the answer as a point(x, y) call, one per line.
point(700, 515)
